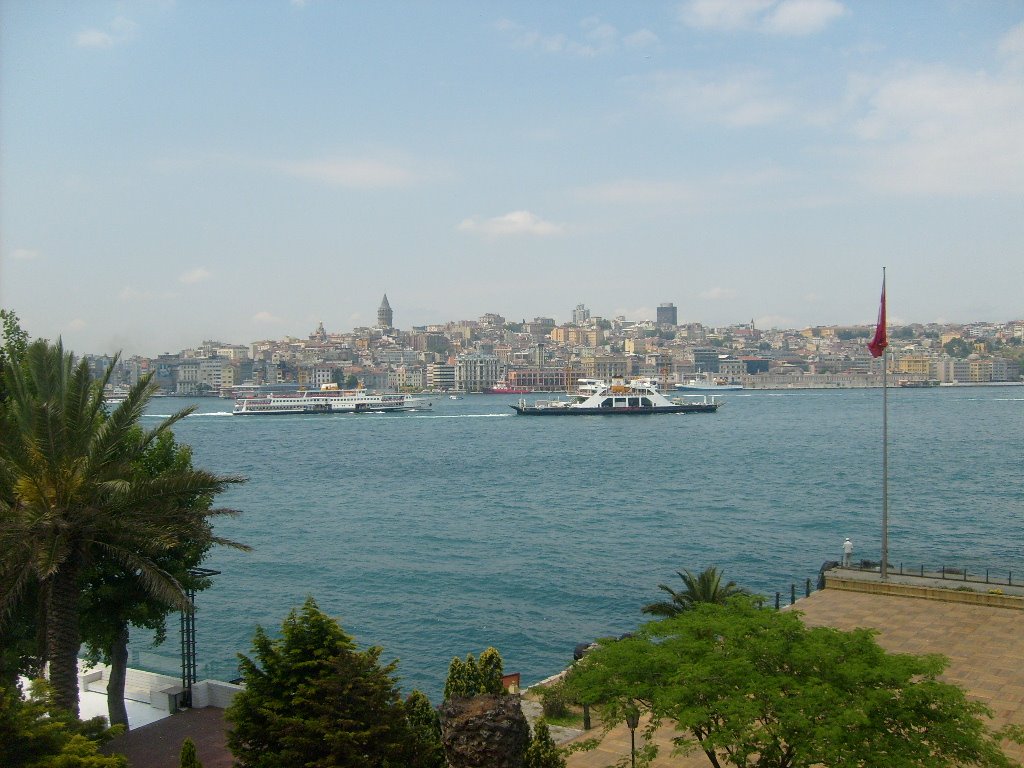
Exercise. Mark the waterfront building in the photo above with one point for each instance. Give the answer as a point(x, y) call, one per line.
point(705, 359)
point(406, 377)
point(475, 373)
point(542, 379)
point(441, 376)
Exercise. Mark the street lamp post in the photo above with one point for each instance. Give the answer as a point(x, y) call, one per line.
point(632, 721)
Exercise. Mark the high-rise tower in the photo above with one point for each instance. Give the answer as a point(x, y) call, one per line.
point(667, 314)
point(384, 314)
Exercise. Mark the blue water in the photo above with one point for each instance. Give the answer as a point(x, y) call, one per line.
point(434, 535)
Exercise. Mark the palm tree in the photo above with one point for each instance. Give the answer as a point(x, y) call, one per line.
point(70, 494)
point(706, 587)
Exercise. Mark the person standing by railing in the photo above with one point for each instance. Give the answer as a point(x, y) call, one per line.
point(847, 552)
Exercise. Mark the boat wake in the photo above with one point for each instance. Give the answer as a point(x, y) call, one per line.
point(468, 416)
point(190, 416)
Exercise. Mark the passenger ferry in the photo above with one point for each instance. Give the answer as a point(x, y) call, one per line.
point(598, 398)
point(329, 399)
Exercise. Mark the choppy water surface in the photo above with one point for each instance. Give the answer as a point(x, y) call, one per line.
point(441, 533)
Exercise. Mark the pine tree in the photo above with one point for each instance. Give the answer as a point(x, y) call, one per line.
point(490, 668)
point(542, 752)
point(312, 699)
point(189, 758)
point(472, 677)
point(425, 731)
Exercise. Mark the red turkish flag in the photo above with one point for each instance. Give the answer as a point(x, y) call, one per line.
point(878, 344)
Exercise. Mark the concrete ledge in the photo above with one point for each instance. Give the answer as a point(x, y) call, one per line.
point(945, 594)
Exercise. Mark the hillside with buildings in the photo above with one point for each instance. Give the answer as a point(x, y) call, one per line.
point(541, 355)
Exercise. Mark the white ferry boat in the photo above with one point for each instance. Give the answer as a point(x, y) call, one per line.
point(706, 383)
point(598, 398)
point(329, 399)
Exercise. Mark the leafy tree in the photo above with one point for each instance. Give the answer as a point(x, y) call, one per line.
point(70, 492)
point(13, 342)
point(426, 750)
point(35, 734)
point(542, 752)
point(114, 597)
point(312, 699)
point(957, 347)
point(188, 757)
point(755, 688)
point(705, 587)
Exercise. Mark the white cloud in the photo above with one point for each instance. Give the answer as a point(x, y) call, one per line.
point(358, 173)
point(514, 223)
point(939, 131)
point(265, 318)
point(802, 17)
point(639, 191)
point(722, 15)
point(24, 254)
point(76, 325)
point(1011, 47)
point(642, 38)
point(131, 293)
point(595, 38)
point(775, 321)
point(197, 275)
point(94, 38)
point(741, 100)
point(121, 30)
point(788, 17)
point(718, 294)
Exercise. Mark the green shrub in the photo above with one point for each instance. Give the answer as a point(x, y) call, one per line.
point(555, 700)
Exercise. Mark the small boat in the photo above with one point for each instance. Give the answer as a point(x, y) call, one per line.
point(454, 397)
point(706, 383)
point(504, 388)
point(597, 398)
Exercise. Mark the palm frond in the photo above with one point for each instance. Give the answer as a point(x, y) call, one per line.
point(157, 582)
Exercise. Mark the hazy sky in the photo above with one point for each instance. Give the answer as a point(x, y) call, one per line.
point(205, 169)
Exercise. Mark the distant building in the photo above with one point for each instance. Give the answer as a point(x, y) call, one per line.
point(667, 314)
point(384, 314)
point(580, 315)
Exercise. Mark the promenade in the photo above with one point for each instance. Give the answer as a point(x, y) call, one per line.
point(981, 633)
point(983, 642)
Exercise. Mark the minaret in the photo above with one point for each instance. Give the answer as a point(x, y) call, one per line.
point(384, 314)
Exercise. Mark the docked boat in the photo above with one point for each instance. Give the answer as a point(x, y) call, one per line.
point(707, 383)
point(598, 398)
point(329, 399)
point(504, 388)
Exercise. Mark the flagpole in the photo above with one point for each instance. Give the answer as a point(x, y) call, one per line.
point(884, 570)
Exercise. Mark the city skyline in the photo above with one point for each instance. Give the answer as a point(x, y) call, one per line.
point(184, 171)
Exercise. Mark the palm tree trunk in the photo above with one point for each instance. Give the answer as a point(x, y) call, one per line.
point(117, 712)
point(63, 636)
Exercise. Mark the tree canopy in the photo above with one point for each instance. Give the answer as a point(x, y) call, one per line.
point(755, 688)
point(36, 734)
point(71, 493)
point(472, 677)
point(311, 698)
